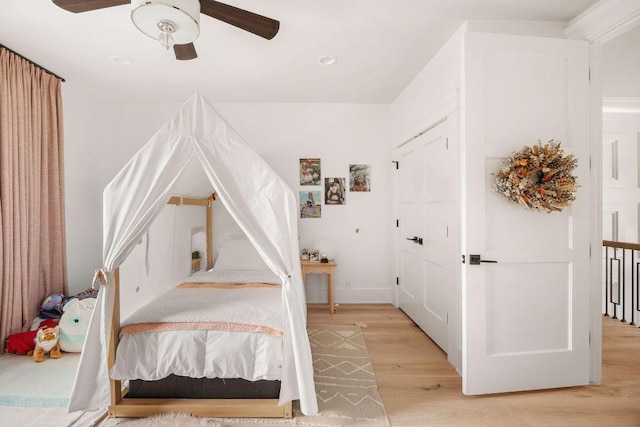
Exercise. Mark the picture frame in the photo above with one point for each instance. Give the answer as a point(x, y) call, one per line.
point(310, 204)
point(360, 178)
point(335, 191)
point(310, 171)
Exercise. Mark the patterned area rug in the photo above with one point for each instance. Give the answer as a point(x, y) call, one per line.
point(345, 385)
point(345, 381)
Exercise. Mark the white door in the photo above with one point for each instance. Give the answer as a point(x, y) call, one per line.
point(411, 184)
point(425, 279)
point(526, 317)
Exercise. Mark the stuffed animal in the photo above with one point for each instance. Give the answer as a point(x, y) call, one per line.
point(51, 301)
point(23, 343)
point(51, 307)
point(74, 323)
point(47, 342)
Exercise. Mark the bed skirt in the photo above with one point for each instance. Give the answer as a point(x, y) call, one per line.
point(179, 387)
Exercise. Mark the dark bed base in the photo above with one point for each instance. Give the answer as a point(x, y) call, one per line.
point(175, 386)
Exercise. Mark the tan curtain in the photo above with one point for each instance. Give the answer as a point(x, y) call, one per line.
point(32, 226)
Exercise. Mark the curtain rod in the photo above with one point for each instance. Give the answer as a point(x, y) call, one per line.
point(34, 63)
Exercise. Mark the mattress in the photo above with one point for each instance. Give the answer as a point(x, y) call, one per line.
point(207, 327)
point(175, 387)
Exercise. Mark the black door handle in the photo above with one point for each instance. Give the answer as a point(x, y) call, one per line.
point(415, 239)
point(477, 259)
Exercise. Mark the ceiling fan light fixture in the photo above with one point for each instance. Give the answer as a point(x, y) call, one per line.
point(177, 20)
point(167, 28)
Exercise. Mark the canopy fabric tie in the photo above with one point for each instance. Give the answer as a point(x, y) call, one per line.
point(100, 276)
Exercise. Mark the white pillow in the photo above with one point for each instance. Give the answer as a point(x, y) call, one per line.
point(238, 254)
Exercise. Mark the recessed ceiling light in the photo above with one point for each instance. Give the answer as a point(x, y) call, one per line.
point(327, 60)
point(120, 60)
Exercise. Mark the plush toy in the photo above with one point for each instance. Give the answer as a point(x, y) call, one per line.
point(51, 301)
point(74, 323)
point(23, 343)
point(51, 307)
point(47, 342)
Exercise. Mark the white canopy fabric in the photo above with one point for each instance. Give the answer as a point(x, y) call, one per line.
point(255, 196)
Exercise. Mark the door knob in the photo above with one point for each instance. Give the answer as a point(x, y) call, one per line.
point(477, 259)
point(415, 239)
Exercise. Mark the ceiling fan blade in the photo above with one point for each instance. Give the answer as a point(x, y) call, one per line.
point(184, 52)
point(77, 6)
point(257, 24)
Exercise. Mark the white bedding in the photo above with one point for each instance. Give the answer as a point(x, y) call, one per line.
point(199, 354)
point(203, 332)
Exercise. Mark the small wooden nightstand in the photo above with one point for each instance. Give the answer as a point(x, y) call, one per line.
point(321, 268)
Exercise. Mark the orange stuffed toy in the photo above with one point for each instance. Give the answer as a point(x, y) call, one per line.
point(47, 342)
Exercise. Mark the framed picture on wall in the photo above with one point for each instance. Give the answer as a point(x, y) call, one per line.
point(310, 204)
point(310, 172)
point(360, 177)
point(334, 191)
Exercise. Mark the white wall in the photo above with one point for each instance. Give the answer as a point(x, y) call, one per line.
point(83, 199)
point(340, 134)
point(620, 65)
point(419, 104)
point(620, 198)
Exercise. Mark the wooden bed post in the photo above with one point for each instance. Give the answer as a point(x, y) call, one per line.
point(115, 385)
point(288, 410)
point(207, 203)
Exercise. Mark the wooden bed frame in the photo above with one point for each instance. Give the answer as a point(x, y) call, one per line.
point(121, 406)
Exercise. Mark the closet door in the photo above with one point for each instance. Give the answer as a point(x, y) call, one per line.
point(425, 281)
point(526, 317)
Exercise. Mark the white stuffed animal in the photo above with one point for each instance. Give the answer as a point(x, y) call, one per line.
point(74, 323)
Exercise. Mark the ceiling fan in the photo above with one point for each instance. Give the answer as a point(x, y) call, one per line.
point(176, 23)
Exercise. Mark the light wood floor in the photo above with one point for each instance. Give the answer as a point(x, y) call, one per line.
point(420, 388)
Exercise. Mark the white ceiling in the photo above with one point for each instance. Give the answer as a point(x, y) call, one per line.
point(380, 44)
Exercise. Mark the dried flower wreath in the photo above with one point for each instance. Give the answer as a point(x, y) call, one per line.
point(539, 177)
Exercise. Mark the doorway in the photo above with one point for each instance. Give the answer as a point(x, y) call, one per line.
point(620, 130)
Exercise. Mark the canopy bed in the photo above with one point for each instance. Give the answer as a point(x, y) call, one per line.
point(265, 209)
